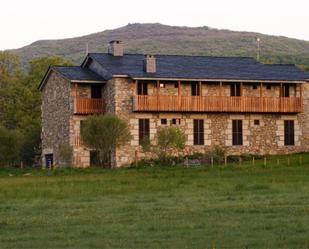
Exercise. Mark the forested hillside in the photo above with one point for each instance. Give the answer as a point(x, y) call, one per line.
point(163, 39)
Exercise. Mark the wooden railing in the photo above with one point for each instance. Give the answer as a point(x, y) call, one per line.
point(88, 106)
point(217, 104)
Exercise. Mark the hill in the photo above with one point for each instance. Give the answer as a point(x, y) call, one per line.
point(158, 38)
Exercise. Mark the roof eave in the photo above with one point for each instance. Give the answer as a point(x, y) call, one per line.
point(217, 79)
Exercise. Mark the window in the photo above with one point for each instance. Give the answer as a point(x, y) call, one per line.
point(195, 89)
point(254, 87)
point(176, 85)
point(143, 129)
point(268, 87)
point(237, 132)
point(96, 92)
point(142, 88)
point(289, 132)
point(235, 89)
point(175, 121)
point(163, 121)
point(286, 91)
point(256, 122)
point(198, 131)
point(162, 85)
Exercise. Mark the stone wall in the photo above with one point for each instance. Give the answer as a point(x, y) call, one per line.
point(265, 138)
point(57, 109)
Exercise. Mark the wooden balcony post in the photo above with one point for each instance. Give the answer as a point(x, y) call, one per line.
point(158, 94)
point(179, 96)
point(301, 96)
point(199, 106)
point(280, 97)
point(261, 97)
point(241, 97)
point(221, 98)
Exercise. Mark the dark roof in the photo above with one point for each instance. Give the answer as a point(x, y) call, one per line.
point(199, 67)
point(77, 73)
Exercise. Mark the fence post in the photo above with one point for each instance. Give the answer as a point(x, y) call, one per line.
point(278, 161)
point(212, 161)
point(253, 161)
point(265, 161)
point(225, 160)
point(289, 161)
point(240, 161)
point(300, 160)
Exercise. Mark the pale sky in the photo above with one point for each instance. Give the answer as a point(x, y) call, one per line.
point(25, 21)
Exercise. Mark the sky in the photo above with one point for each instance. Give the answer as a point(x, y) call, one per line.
point(25, 21)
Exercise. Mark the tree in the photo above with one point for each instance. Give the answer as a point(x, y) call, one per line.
point(169, 141)
point(20, 100)
point(10, 142)
point(104, 133)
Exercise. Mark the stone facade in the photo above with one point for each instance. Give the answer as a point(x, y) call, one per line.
point(60, 125)
point(265, 138)
point(57, 109)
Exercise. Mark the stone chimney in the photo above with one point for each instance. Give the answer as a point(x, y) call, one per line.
point(150, 64)
point(115, 48)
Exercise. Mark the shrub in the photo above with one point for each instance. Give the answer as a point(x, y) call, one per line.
point(104, 133)
point(170, 140)
point(217, 154)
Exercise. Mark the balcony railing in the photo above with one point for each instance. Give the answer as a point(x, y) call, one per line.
point(89, 106)
point(217, 104)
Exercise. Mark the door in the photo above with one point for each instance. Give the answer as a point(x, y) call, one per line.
point(49, 160)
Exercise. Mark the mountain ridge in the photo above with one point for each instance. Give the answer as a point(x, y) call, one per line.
point(157, 38)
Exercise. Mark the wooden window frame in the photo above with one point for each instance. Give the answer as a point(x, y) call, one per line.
point(143, 129)
point(198, 132)
point(237, 132)
point(235, 90)
point(142, 88)
point(289, 132)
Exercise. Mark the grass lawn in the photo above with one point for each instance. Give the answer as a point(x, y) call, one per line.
point(171, 207)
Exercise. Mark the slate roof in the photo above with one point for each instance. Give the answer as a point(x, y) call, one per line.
point(198, 67)
point(77, 73)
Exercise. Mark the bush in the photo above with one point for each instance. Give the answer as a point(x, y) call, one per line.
point(104, 133)
point(170, 140)
point(217, 154)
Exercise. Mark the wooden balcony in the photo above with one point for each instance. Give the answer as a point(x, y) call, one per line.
point(217, 104)
point(88, 106)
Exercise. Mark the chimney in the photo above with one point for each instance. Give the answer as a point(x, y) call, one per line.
point(115, 48)
point(150, 64)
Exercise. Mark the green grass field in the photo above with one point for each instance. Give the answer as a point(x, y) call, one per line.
point(172, 207)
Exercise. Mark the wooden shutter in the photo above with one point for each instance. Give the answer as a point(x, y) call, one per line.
point(289, 132)
point(143, 129)
point(198, 131)
point(237, 136)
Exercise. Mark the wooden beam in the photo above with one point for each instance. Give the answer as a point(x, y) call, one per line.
point(179, 94)
point(136, 87)
point(223, 80)
point(261, 96)
point(158, 94)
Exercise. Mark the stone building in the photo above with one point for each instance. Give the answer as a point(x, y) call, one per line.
point(233, 102)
